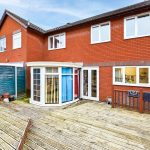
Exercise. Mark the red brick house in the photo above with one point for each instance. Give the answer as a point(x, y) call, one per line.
point(107, 51)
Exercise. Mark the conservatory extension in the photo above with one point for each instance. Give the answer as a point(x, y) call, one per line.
point(54, 83)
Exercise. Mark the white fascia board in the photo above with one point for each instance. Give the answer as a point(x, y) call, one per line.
point(54, 64)
point(15, 64)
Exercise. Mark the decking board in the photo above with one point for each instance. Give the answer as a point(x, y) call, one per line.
point(86, 126)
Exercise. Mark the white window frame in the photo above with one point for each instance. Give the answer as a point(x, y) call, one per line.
point(137, 76)
point(99, 25)
point(2, 38)
point(49, 48)
point(13, 39)
point(136, 27)
point(89, 69)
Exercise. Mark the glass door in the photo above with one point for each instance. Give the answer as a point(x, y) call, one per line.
point(90, 83)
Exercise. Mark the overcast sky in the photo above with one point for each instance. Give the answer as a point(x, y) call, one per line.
point(53, 13)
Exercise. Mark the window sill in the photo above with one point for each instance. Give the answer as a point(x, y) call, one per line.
point(135, 37)
point(56, 49)
point(138, 85)
point(100, 42)
point(2, 51)
point(16, 48)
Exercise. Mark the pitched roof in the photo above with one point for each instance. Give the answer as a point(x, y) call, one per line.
point(21, 21)
point(118, 12)
point(124, 10)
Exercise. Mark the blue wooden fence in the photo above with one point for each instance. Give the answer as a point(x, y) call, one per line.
point(7, 80)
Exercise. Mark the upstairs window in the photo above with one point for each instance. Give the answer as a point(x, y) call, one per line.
point(17, 40)
point(2, 44)
point(100, 33)
point(143, 25)
point(57, 41)
point(137, 26)
point(130, 27)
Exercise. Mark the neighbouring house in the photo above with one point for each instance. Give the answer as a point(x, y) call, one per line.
point(84, 59)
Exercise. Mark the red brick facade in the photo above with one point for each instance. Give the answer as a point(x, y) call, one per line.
point(78, 49)
point(31, 49)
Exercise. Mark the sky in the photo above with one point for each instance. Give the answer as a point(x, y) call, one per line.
point(48, 14)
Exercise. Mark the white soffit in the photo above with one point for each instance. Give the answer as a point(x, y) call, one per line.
point(54, 64)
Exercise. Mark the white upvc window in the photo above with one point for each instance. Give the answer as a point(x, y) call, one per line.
point(100, 33)
point(57, 41)
point(2, 44)
point(16, 40)
point(131, 76)
point(137, 26)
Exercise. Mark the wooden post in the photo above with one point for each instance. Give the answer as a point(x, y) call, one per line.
point(113, 105)
point(141, 101)
point(24, 136)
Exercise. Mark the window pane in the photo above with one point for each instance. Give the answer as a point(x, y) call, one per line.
point(105, 32)
point(62, 41)
point(94, 83)
point(130, 27)
point(67, 70)
point(95, 34)
point(51, 70)
point(130, 75)
point(85, 82)
point(52, 89)
point(51, 43)
point(36, 82)
point(143, 25)
point(143, 75)
point(67, 88)
point(118, 75)
point(2, 44)
point(17, 40)
point(56, 41)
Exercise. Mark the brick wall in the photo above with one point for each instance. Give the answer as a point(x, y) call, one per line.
point(10, 55)
point(105, 78)
point(31, 50)
point(79, 49)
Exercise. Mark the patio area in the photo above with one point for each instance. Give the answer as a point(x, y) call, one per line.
point(84, 125)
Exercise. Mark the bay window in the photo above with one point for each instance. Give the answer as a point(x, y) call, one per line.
point(131, 75)
point(100, 33)
point(57, 41)
point(137, 26)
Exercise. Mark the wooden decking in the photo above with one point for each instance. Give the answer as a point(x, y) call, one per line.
point(11, 128)
point(83, 126)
